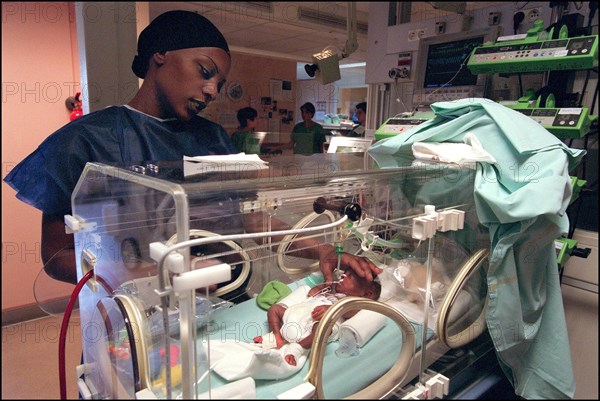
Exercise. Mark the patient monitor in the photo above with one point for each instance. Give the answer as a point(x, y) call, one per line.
point(175, 263)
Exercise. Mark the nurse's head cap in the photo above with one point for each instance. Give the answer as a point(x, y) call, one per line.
point(175, 30)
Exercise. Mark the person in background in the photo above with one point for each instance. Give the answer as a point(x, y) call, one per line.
point(361, 117)
point(184, 61)
point(307, 136)
point(242, 138)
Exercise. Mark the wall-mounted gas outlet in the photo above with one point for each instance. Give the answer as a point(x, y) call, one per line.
point(402, 71)
point(532, 14)
point(416, 34)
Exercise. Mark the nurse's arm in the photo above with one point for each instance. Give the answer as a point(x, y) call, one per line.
point(58, 250)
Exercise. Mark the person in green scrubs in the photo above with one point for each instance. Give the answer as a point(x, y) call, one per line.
point(308, 136)
point(242, 138)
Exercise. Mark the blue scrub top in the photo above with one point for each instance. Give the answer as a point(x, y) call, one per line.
point(118, 134)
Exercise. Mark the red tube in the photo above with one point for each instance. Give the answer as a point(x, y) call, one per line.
point(63, 334)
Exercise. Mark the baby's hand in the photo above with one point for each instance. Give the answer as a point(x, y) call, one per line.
point(319, 312)
point(258, 339)
point(289, 358)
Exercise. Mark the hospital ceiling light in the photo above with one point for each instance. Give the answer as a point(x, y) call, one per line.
point(326, 67)
point(326, 64)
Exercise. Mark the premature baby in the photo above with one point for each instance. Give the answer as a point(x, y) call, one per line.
point(293, 323)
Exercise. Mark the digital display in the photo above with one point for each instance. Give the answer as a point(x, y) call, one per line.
point(444, 60)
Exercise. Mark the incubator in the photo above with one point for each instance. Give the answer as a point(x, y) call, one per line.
point(177, 267)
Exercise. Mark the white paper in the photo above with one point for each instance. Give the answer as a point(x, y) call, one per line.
point(219, 163)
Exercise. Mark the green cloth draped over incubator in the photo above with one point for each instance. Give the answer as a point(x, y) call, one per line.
point(522, 199)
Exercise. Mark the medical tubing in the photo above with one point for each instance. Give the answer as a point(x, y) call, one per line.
point(164, 303)
point(219, 238)
point(339, 249)
point(245, 264)
point(447, 83)
point(376, 240)
point(289, 239)
point(63, 334)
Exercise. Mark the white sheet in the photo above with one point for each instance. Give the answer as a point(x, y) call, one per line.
point(460, 153)
point(364, 325)
point(235, 360)
point(244, 389)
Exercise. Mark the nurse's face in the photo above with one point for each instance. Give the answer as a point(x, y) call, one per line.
point(189, 79)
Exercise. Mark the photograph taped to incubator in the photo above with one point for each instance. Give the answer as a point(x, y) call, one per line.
point(186, 268)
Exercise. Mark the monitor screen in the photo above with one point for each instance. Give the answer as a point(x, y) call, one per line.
point(438, 73)
point(444, 61)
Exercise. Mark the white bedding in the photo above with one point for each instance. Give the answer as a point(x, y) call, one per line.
point(233, 360)
point(234, 355)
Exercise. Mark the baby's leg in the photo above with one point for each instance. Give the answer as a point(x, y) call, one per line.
point(290, 359)
point(292, 352)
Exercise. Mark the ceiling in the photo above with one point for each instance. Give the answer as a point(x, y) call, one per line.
point(297, 30)
point(291, 30)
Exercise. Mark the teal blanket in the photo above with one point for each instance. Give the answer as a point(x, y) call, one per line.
point(522, 199)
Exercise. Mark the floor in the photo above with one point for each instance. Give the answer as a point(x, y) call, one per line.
point(30, 358)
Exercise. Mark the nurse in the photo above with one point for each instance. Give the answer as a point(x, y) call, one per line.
point(184, 61)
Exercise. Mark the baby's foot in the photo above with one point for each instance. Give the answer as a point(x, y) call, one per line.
point(290, 359)
point(258, 339)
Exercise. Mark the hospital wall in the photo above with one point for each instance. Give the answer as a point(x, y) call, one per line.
point(39, 72)
point(256, 73)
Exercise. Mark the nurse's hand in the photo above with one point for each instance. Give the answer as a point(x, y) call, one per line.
point(363, 266)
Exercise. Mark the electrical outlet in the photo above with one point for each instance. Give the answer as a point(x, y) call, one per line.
point(440, 27)
point(494, 18)
point(420, 33)
point(533, 13)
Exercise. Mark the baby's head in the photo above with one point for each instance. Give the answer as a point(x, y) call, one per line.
point(354, 285)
